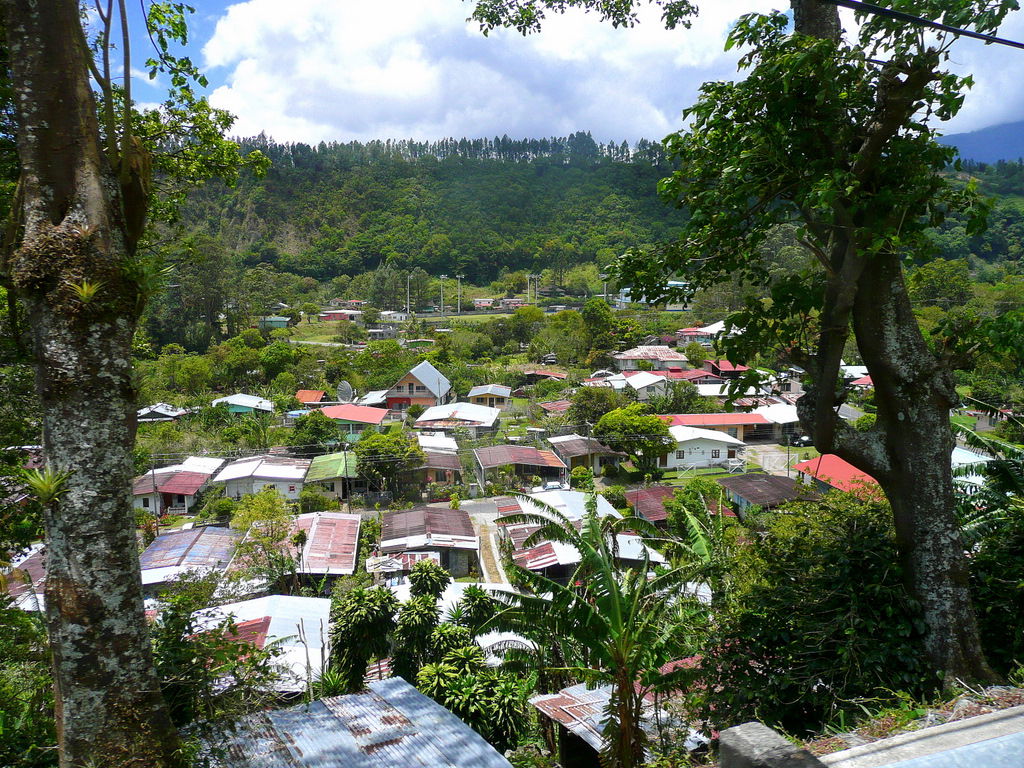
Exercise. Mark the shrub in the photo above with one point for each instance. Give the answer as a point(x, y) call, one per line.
point(817, 617)
point(997, 585)
point(615, 495)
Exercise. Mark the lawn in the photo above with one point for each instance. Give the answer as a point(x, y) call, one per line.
point(319, 331)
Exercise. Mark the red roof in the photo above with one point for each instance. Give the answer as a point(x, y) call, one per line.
point(358, 413)
point(500, 455)
point(545, 372)
point(725, 365)
point(649, 503)
point(707, 420)
point(178, 482)
point(863, 381)
point(556, 406)
point(253, 631)
point(310, 395)
point(838, 473)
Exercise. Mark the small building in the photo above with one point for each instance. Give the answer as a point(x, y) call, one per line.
point(476, 419)
point(644, 384)
point(202, 549)
point(525, 461)
point(447, 532)
point(334, 474)
point(389, 725)
point(242, 403)
point(491, 395)
point(758, 490)
point(25, 580)
point(483, 303)
point(422, 385)
point(513, 303)
point(332, 543)
point(271, 322)
point(442, 464)
point(296, 626)
point(385, 332)
point(658, 357)
point(725, 369)
point(829, 472)
point(649, 503)
point(172, 490)
point(784, 419)
point(352, 315)
point(555, 407)
point(578, 451)
point(555, 559)
point(695, 376)
point(533, 375)
point(393, 317)
point(864, 383)
point(697, 448)
point(746, 427)
point(159, 412)
point(696, 335)
point(253, 474)
point(353, 419)
point(311, 396)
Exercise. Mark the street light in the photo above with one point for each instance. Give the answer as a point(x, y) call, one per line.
point(604, 277)
point(459, 278)
point(443, 278)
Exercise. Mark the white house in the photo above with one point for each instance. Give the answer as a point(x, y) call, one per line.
point(160, 412)
point(645, 384)
point(253, 474)
point(702, 448)
point(242, 403)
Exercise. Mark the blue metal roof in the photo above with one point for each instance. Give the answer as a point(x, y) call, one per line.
point(390, 726)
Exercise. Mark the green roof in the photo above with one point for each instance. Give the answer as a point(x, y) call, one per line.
point(332, 465)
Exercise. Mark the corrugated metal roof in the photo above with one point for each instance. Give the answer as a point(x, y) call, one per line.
point(360, 414)
point(556, 406)
point(390, 726)
point(653, 352)
point(425, 527)
point(435, 381)
point(442, 460)
point(715, 419)
point(500, 455)
point(332, 543)
point(764, 490)
point(571, 446)
point(649, 503)
point(194, 548)
point(310, 395)
point(498, 390)
point(332, 465)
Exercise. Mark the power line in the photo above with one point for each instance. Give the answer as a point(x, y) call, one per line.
point(877, 10)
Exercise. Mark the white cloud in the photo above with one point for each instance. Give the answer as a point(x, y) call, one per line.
point(311, 70)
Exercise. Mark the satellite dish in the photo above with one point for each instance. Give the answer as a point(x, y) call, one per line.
point(344, 392)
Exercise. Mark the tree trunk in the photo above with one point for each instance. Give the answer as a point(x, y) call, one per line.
point(914, 392)
point(70, 268)
point(816, 19)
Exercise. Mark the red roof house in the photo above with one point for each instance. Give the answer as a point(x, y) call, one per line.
point(355, 414)
point(829, 471)
point(310, 396)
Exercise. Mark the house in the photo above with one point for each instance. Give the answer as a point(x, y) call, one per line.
point(331, 547)
point(25, 580)
point(724, 369)
point(555, 407)
point(973, 464)
point(758, 490)
point(625, 297)
point(201, 549)
point(254, 473)
point(829, 472)
point(442, 464)
point(418, 343)
point(578, 451)
point(242, 403)
point(353, 419)
point(696, 448)
point(483, 303)
point(393, 317)
point(644, 384)
point(746, 427)
point(525, 461)
point(533, 375)
point(173, 490)
point(784, 419)
point(649, 503)
point(352, 315)
point(491, 395)
point(477, 419)
point(390, 724)
point(695, 335)
point(297, 627)
point(422, 385)
point(434, 528)
point(334, 474)
point(555, 559)
point(695, 376)
point(159, 412)
point(580, 714)
point(512, 303)
point(271, 322)
point(386, 332)
point(311, 396)
point(658, 357)
point(863, 382)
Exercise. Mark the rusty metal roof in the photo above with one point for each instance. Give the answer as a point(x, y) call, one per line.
point(427, 527)
point(649, 503)
point(500, 455)
point(390, 725)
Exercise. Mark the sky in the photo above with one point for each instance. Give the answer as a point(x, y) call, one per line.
point(323, 70)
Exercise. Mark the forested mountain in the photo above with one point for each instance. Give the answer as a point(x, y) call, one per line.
point(472, 206)
point(990, 145)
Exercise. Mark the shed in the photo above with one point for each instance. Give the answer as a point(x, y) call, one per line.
point(391, 724)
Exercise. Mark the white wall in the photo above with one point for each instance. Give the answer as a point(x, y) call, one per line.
point(699, 453)
point(289, 489)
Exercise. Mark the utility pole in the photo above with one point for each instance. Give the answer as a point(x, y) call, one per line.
point(459, 310)
point(443, 278)
point(604, 278)
point(408, 279)
point(536, 288)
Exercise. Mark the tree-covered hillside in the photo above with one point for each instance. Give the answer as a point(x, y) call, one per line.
point(472, 206)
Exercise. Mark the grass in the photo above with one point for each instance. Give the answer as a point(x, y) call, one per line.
point(968, 422)
point(320, 331)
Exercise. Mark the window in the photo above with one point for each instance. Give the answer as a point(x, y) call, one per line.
point(419, 388)
point(716, 453)
point(291, 489)
point(680, 454)
point(733, 431)
point(145, 503)
point(329, 486)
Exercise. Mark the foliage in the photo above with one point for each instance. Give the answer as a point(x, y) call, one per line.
point(817, 617)
point(428, 578)
point(636, 431)
point(383, 457)
point(311, 500)
point(411, 646)
point(206, 672)
point(314, 430)
point(589, 404)
point(612, 625)
point(266, 521)
point(27, 724)
point(362, 621)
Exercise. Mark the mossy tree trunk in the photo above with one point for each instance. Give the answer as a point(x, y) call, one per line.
point(72, 266)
